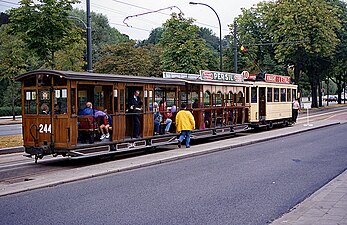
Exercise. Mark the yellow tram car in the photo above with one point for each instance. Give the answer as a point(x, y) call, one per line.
point(222, 103)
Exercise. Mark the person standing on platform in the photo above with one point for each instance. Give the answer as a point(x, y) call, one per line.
point(185, 123)
point(135, 107)
point(296, 109)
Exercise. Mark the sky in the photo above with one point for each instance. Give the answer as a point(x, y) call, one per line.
point(139, 27)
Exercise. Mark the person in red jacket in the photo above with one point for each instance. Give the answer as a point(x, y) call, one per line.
point(166, 115)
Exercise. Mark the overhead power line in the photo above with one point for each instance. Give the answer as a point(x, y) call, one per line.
point(277, 43)
point(12, 3)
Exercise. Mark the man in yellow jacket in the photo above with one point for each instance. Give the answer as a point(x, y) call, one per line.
point(184, 124)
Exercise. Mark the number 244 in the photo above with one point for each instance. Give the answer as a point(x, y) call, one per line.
point(45, 128)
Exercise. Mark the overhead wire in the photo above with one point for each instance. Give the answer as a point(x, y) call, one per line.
point(12, 3)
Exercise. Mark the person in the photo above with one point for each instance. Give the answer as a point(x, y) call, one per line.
point(195, 104)
point(135, 107)
point(106, 125)
point(45, 109)
point(88, 110)
point(57, 109)
point(185, 123)
point(296, 109)
point(166, 115)
point(157, 118)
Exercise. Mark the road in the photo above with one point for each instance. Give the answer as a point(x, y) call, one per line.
point(9, 130)
point(247, 185)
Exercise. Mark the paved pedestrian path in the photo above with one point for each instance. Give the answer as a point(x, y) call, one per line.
point(327, 206)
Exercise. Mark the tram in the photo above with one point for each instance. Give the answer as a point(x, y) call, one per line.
point(53, 102)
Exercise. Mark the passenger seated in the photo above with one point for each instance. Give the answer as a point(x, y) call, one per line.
point(44, 109)
point(166, 115)
point(57, 109)
point(88, 110)
point(106, 125)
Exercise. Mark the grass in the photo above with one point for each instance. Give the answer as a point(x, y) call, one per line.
point(11, 141)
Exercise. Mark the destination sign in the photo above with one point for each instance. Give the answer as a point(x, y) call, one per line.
point(220, 76)
point(277, 78)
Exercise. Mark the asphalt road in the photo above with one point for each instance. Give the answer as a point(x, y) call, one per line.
point(248, 185)
point(11, 129)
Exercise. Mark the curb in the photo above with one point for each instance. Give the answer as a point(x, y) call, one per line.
point(17, 149)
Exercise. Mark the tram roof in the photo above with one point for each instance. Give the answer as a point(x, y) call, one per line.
point(71, 75)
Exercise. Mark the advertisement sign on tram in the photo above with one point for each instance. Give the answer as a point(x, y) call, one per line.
point(220, 76)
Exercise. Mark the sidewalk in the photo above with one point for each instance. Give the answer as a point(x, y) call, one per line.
point(327, 206)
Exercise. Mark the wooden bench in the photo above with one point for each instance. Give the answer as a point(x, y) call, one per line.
point(87, 127)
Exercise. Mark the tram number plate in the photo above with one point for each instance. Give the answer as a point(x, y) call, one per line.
point(45, 128)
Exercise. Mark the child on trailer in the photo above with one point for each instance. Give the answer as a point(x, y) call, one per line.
point(106, 125)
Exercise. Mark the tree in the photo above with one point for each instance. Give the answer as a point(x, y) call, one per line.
point(338, 72)
point(183, 50)
point(125, 59)
point(45, 26)
point(102, 33)
point(314, 22)
point(154, 37)
point(15, 58)
point(252, 28)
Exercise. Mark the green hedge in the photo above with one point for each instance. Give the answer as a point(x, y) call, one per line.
point(7, 111)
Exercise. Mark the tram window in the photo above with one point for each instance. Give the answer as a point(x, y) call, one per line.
point(207, 99)
point(99, 98)
point(194, 96)
point(60, 101)
point(219, 99)
point(30, 82)
point(183, 97)
point(44, 80)
point(269, 94)
point(170, 98)
point(294, 94)
point(283, 95)
point(254, 95)
point(44, 102)
point(73, 103)
point(59, 81)
point(115, 100)
point(150, 99)
point(247, 95)
point(82, 99)
point(30, 102)
point(276, 95)
point(289, 95)
point(122, 100)
point(240, 97)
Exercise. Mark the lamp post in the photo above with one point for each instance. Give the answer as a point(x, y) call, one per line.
point(89, 39)
point(220, 33)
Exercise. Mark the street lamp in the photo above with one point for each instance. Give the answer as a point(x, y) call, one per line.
point(220, 32)
point(89, 39)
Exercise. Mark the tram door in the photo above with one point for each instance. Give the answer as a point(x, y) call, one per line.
point(262, 104)
point(119, 118)
point(134, 114)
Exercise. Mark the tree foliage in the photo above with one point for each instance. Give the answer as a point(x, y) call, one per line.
point(45, 26)
point(183, 50)
point(102, 33)
point(125, 59)
point(314, 23)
